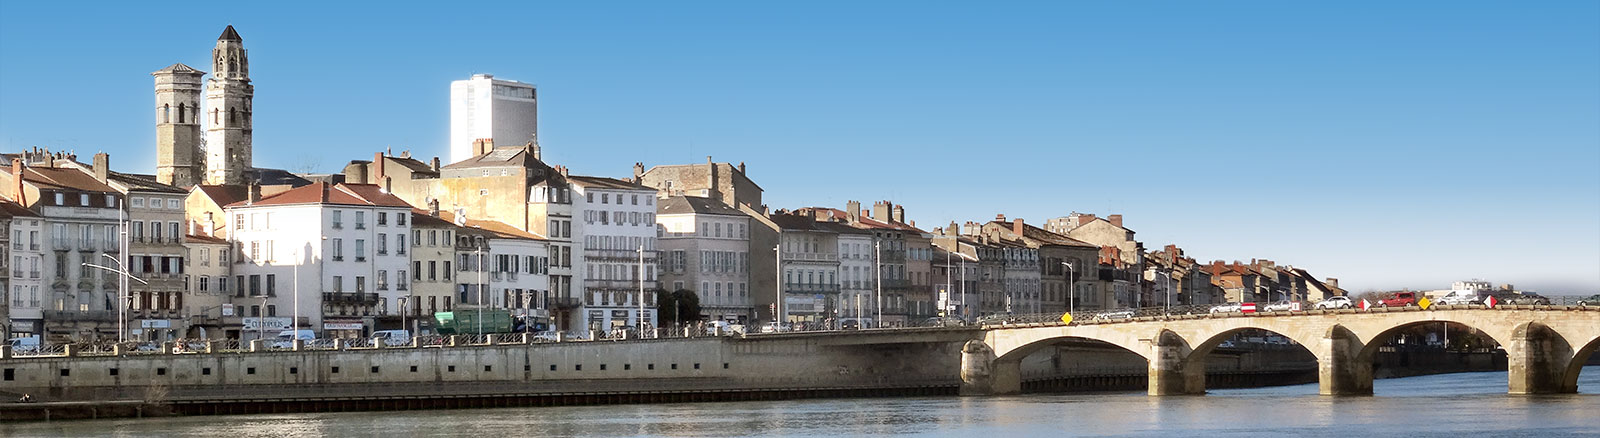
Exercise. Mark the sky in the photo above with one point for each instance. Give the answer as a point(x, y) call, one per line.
point(1386, 144)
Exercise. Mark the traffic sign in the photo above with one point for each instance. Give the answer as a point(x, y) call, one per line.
point(1247, 307)
point(1424, 303)
point(1066, 318)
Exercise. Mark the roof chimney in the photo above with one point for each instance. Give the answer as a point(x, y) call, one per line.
point(1016, 226)
point(711, 179)
point(1000, 217)
point(434, 164)
point(880, 211)
point(1116, 219)
point(102, 166)
point(377, 168)
point(482, 146)
point(17, 168)
point(638, 171)
point(433, 207)
point(255, 193)
point(900, 214)
point(741, 167)
point(953, 230)
point(534, 150)
point(853, 208)
point(211, 225)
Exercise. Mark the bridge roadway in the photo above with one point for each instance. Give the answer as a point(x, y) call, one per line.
point(1546, 346)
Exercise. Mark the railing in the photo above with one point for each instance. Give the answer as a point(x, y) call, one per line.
point(810, 257)
point(810, 288)
point(350, 297)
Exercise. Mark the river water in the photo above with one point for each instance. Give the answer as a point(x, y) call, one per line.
point(1449, 405)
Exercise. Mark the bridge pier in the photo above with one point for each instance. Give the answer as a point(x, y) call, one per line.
point(1167, 377)
point(983, 374)
point(1538, 359)
point(1340, 370)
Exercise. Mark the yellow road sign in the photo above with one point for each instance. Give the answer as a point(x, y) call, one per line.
point(1425, 303)
point(1066, 318)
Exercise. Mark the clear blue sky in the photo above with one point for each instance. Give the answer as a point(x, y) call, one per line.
point(1390, 145)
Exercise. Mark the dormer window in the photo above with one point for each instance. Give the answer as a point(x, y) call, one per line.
point(61, 198)
point(83, 199)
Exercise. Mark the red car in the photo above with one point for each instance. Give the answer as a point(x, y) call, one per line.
point(1401, 299)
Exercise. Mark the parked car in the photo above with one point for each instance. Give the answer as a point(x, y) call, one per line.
point(27, 344)
point(394, 338)
point(1335, 303)
point(1401, 299)
point(1529, 298)
point(1116, 314)
point(286, 338)
point(1593, 300)
point(1281, 306)
point(1226, 308)
point(1459, 297)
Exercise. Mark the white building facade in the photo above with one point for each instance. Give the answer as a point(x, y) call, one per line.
point(341, 248)
point(618, 231)
point(487, 108)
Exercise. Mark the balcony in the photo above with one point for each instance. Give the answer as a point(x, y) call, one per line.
point(60, 244)
point(810, 257)
point(896, 284)
point(618, 255)
point(815, 288)
point(565, 302)
point(87, 316)
point(348, 297)
point(624, 285)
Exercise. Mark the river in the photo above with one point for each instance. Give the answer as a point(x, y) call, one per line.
point(1448, 405)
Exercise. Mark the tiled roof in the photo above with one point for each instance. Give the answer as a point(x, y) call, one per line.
point(500, 157)
point(496, 228)
point(205, 239)
point(1046, 237)
point(420, 218)
point(13, 209)
point(68, 179)
point(179, 68)
point(692, 204)
point(143, 182)
point(601, 182)
point(224, 195)
point(414, 165)
point(323, 193)
point(795, 222)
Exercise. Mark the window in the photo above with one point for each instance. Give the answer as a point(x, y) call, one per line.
point(83, 199)
point(383, 244)
point(361, 284)
point(400, 219)
point(138, 202)
point(338, 249)
point(338, 283)
point(400, 244)
point(361, 250)
point(383, 218)
point(338, 219)
point(361, 220)
point(171, 203)
point(383, 280)
point(400, 280)
point(238, 221)
point(272, 285)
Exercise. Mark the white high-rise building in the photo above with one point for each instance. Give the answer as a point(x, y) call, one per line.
point(487, 108)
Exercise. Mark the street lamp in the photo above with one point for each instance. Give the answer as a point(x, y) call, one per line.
point(404, 300)
point(481, 266)
point(261, 322)
point(877, 261)
point(122, 270)
point(641, 290)
point(1072, 289)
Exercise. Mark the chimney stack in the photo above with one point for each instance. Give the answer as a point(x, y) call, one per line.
point(900, 214)
point(741, 167)
point(1016, 226)
point(482, 146)
point(434, 164)
point(1000, 217)
point(535, 150)
point(211, 225)
point(638, 172)
point(255, 193)
point(16, 182)
point(853, 208)
point(102, 166)
point(1116, 219)
point(377, 169)
point(880, 211)
point(433, 207)
point(953, 230)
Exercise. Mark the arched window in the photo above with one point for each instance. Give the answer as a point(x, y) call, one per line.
point(182, 113)
point(166, 113)
point(214, 116)
point(231, 113)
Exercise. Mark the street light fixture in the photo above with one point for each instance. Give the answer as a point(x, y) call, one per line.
point(122, 270)
point(1072, 289)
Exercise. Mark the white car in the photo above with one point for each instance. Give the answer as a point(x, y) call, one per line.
point(1119, 314)
point(1458, 297)
point(1281, 306)
point(1335, 303)
point(1226, 308)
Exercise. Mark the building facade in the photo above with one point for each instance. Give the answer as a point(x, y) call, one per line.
point(619, 251)
point(705, 248)
point(229, 103)
point(483, 107)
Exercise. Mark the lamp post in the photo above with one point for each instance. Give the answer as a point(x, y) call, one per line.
point(641, 290)
point(121, 270)
point(481, 266)
point(404, 301)
point(261, 322)
point(1072, 289)
point(779, 313)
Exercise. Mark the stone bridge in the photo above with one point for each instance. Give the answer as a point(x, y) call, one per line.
point(1546, 346)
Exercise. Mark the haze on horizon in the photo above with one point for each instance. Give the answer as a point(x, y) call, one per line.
point(1387, 145)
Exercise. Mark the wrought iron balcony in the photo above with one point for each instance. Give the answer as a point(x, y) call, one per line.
point(350, 297)
point(799, 288)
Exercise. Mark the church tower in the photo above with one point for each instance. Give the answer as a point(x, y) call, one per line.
point(178, 154)
point(228, 111)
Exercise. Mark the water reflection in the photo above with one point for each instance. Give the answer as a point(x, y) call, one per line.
point(1443, 405)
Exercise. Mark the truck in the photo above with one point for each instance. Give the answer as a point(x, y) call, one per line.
point(1459, 297)
point(462, 322)
point(1401, 299)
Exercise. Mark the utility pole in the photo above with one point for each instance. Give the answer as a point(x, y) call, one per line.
point(877, 250)
point(641, 289)
point(779, 314)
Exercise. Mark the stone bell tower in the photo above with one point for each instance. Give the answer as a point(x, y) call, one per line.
point(178, 155)
point(228, 112)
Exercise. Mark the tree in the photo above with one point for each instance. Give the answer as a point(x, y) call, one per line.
point(676, 307)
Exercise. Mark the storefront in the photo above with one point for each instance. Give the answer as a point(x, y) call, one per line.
point(343, 328)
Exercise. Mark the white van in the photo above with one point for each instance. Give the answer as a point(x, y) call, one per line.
point(393, 338)
point(1458, 297)
point(286, 338)
point(27, 344)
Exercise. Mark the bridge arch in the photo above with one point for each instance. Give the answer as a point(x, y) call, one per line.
point(1194, 365)
point(1570, 382)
